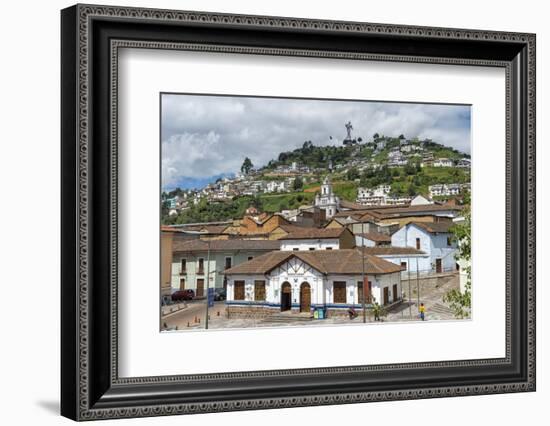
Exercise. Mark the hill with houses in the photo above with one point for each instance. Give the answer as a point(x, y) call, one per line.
point(383, 171)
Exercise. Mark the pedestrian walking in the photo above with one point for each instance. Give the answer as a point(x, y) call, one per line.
point(422, 310)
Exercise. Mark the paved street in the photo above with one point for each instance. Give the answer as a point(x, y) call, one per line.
point(431, 294)
point(193, 316)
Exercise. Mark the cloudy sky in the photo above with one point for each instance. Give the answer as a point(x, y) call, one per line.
point(205, 137)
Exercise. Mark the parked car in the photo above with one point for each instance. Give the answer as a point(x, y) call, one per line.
point(220, 294)
point(183, 295)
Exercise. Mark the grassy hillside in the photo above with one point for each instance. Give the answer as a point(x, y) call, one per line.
point(409, 180)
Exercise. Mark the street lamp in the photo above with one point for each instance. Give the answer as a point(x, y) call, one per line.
point(363, 271)
point(207, 284)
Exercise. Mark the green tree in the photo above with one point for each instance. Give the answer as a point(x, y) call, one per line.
point(298, 184)
point(353, 173)
point(375, 136)
point(461, 302)
point(247, 166)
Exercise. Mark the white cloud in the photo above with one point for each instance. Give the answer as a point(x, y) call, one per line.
point(210, 135)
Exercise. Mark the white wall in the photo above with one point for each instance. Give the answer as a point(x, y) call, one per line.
point(363, 242)
point(435, 245)
point(314, 243)
point(29, 158)
point(423, 262)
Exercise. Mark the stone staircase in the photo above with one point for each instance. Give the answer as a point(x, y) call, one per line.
point(440, 309)
point(288, 316)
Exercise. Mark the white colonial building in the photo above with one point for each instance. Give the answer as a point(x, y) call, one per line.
point(434, 239)
point(306, 280)
point(327, 200)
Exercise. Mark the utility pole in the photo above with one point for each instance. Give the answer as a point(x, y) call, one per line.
point(207, 285)
point(409, 280)
point(363, 272)
point(417, 285)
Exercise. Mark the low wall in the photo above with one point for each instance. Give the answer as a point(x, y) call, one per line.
point(242, 311)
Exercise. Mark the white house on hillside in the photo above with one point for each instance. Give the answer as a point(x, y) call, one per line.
point(434, 239)
point(442, 162)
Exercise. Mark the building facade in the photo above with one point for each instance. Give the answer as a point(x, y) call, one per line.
point(327, 200)
point(300, 282)
point(434, 239)
point(410, 259)
point(199, 264)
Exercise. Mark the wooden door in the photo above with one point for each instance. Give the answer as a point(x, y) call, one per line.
point(395, 295)
point(339, 291)
point(286, 297)
point(200, 287)
point(182, 283)
point(238, 290)
point(438, 268)
point(386, 295)
point(305, 297)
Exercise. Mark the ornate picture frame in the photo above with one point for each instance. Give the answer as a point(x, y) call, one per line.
point(90, 39)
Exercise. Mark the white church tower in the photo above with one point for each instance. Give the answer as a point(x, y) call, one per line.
point(326, 200)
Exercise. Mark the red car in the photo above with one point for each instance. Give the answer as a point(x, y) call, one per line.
point(183, 295)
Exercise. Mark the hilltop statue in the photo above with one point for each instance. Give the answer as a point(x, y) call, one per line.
point(348, 140)
point(349, 128)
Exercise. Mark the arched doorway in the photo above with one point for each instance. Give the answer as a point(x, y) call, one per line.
point(305, 297)
point(286, 296)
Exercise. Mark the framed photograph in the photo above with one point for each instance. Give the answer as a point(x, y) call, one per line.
point(264, 212)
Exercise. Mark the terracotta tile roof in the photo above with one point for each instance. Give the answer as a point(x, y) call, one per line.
point(376, 236)
point(165, 228)
point(422, 208)
point(387, 212)
point(345, 261)
point(309, 233)
point(434, 227)
point(392, 250)
point(351, 205)
point(214, 229)
point(183, 245)
point(290, 228)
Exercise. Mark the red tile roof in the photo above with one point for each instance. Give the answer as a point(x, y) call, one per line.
point(392, 251)
point(182, 245)
point(376, 236)
point(345, 261)
point(434, 227)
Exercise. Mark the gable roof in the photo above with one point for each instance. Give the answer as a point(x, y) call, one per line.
point(388, 212)
point(434, 227)
point(345, 261)
point(183, 245)
point(392, 251)
point(376, 237)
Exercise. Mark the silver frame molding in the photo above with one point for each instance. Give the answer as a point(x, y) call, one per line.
point(91, 39)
